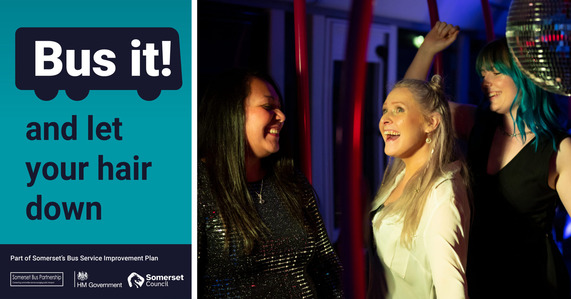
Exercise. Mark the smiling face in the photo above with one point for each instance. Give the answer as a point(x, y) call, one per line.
point(497, 70)
point(500, 89)
point(264, 119)
point(403, 125)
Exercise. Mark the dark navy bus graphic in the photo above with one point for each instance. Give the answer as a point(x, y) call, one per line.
point(78, 60)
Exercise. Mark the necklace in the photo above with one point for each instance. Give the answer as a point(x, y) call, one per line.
point(512, 135)
point(260, 199)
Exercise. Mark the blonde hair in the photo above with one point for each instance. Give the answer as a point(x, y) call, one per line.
point(431, 99)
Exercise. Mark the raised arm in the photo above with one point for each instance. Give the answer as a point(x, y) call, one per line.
point(438, 39)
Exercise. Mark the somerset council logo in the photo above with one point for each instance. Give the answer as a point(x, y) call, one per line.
point(135, 280)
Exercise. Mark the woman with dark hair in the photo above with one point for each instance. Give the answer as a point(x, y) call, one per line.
point(260, 233)
point(421, 214)
point(520, 158)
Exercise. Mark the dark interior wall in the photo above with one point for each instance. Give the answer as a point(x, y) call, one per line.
point(237, 36)
point(230, 36)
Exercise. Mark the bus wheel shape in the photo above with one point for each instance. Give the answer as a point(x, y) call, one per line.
point(46, 94)
point(149, 94)
point(77, 94)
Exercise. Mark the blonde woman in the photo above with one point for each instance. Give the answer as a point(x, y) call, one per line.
point(421, 213)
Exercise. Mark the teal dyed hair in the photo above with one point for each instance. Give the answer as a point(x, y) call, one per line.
point(536, 107)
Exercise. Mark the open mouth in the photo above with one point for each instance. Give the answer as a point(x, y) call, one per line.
point(391, 135)
point(274, 131)
point(494, 94)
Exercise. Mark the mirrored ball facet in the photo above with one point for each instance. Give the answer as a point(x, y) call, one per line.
point(538, 35)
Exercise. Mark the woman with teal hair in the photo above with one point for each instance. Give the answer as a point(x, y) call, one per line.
point(520, 161)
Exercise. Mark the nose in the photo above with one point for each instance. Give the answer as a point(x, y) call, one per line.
point(485, 87)
point(280, 116)
point(385, 119)
point(486, 82)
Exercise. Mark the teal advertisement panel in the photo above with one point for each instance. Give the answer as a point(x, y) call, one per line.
point(95, 114)
point(95, 111)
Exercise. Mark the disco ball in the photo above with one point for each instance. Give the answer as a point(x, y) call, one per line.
point(538, 35)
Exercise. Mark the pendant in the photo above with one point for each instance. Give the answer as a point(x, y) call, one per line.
point(260, 199)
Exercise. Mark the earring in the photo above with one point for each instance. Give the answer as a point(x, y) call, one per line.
point(428, 140)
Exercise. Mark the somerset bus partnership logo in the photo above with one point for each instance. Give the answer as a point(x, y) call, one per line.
point(78, 60)
point(36, 279)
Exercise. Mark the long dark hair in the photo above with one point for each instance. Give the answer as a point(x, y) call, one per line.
point(222, 147)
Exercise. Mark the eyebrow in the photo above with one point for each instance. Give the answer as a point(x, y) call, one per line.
point(395, 103)
point(272, 99)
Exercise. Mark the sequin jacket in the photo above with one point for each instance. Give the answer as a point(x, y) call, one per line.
point(291, 262)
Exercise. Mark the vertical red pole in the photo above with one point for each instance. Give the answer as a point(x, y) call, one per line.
point(302, 86)
point(352, 105)
point(433, 11)
point(490, 36)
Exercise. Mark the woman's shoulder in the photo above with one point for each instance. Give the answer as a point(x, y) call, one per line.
point(296, 178)
point(450, 185)
point(566, 142)
point(294, 183)
point(308, 193)
point(449, 198)
point(564, 153)
point(449, 172)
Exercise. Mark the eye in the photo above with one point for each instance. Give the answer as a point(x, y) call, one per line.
point(385, 110)
point(399, 110)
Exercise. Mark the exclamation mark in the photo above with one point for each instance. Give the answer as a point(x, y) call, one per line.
point(166, 57)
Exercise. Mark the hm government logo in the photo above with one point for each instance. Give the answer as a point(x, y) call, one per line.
point(135, 280)
point(82, 276)
point(81, 281)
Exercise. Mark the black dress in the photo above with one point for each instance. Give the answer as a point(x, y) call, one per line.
point(511, 250)
point(296, 261)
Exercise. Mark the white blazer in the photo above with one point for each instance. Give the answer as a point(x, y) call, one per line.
point(435, 266)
